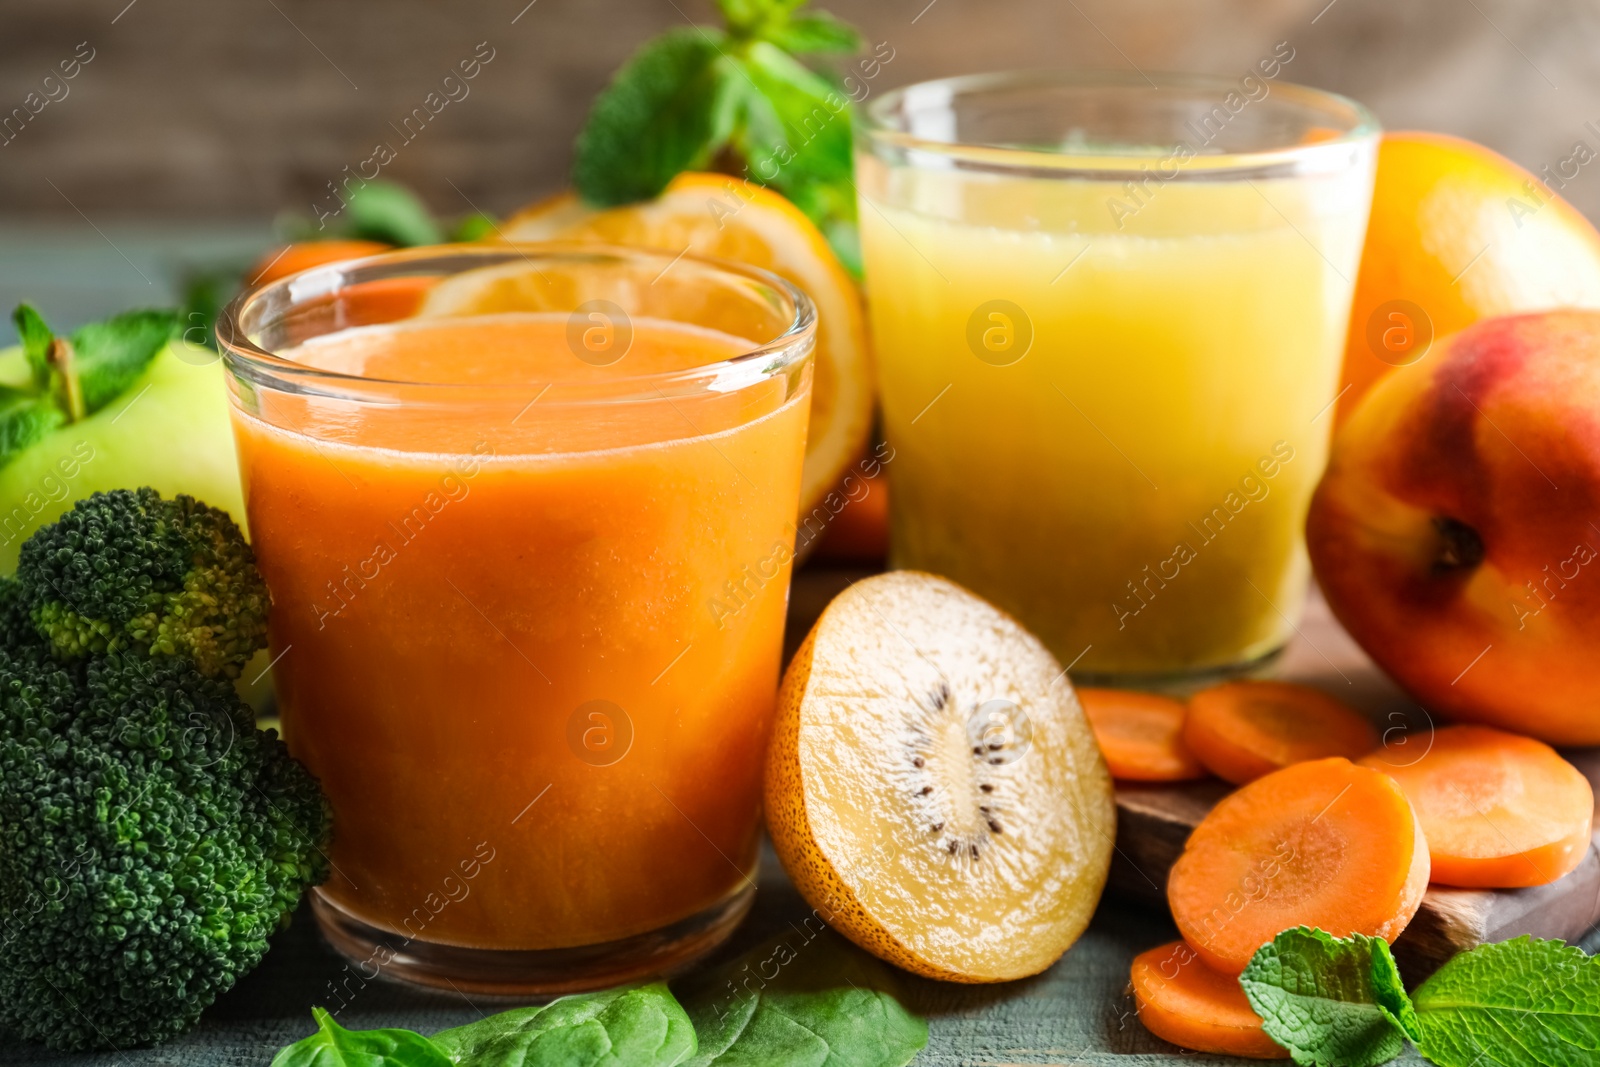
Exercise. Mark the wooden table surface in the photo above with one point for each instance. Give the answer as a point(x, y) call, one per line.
point(1077, 1014)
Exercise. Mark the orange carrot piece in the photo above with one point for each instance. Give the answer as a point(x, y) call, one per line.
point(1242, 730)
point(1499, 810)
point(1140, 735)
point(1322, 843)
point(1187, 1003)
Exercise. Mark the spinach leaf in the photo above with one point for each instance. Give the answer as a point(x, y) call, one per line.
point(807, 999)
point(334, 1046)
point(641, 1026)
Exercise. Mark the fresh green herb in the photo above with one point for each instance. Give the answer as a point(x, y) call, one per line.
point(669, 108)
point(642, 1026)
point(1338, 1002)
point(1521, 1002)
point(334, 1046)
point(798, 1000)
point(111, 355)
point(36, 337)
point(474, 227)
point(75, 376)
point(389, 212)
point(25, 420)
point(1330, 1001)
point(735, 99)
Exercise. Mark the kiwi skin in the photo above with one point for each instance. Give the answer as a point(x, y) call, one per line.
point(792, 837)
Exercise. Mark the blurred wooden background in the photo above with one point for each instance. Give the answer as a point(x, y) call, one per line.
point(237, 108)
point(193, 114)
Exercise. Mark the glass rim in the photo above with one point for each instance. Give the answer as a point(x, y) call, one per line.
point(1360, 123)
point(244, 313)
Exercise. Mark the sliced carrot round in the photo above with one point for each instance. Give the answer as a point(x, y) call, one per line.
point(1323, 843)
point(1242, 730)
point(1187, 1003)
point(1499, 810)
point(1140, 735)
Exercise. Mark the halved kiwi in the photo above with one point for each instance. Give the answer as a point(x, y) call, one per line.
point(933, 787)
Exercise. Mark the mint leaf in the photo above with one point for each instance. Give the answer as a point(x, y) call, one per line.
point(36, 337)
point(389, 212)
point(474, 227)
point(642, 1026)
point(110, 356)
point(817, 32)
point(334, 1046)
point(1332, 1002)
point(25, 419)
point(799, 1000)
point(797, 125)
point(669, 109)
point(1520, 1003)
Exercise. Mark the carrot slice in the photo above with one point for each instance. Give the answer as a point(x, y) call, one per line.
point(1499, 810)
point(1242, 730)
point(1323, 843)
point(1187, 1003)
point(1140, 735)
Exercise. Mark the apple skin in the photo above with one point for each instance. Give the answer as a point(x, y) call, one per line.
point(1456, 531)
point(175, 436)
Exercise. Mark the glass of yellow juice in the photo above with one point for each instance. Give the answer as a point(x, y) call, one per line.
point(1108, 315)
point(492, 491)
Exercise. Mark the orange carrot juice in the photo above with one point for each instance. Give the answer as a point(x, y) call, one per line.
point(529, 644)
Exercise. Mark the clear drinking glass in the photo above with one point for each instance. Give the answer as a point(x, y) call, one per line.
point(1108, 321)
point(496, 493)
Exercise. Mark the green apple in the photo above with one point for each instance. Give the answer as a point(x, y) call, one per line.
point(169, 430)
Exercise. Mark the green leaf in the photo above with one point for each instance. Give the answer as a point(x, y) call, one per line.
point(642, 1026)
point(669, 109)
point(110, 356)
point(334, 1046)
point(389, 212)
point(36, 337)
point(802, 1000)
point(796, 126)
point(1332, 1002)
point(1521, 1003)
point(475, 227)
point(25, 419)
point(745, 17)
point(817, 32)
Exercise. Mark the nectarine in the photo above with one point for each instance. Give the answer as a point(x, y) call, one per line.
point(1457, 528)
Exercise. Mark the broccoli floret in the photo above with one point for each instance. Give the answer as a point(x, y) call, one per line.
point(151, 839)
point(128, 570)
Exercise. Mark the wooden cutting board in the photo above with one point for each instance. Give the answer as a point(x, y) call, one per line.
point(1154, 821)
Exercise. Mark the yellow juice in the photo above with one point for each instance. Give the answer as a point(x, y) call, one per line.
point(1109, 403)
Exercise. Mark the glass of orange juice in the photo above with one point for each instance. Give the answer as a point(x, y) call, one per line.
point(495, 493)
point(1108, 315)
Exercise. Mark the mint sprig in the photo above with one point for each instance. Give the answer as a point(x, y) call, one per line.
point(1515, 1003)
point(1338, 1002)
point(735, 99)
point(75, 375)
point(1330, 1000)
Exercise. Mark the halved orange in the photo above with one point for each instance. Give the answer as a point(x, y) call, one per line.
point(727, 218)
